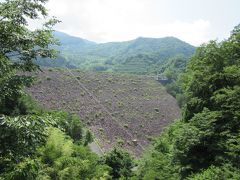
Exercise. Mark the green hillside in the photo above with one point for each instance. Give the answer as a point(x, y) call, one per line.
point(138, 56)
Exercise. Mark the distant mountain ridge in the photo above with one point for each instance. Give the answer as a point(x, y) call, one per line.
point(138, 56)
point(68, 39)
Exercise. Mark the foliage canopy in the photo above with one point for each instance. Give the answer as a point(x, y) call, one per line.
point(206, 140)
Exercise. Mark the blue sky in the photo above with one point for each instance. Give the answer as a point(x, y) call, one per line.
point(194, 21)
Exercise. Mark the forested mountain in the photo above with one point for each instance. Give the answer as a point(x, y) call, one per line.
point(138, 56)
point(67, 40)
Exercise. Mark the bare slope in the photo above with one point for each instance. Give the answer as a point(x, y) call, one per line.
point(117, 108)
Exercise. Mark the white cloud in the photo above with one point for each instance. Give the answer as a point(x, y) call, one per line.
point(195, 32)
point(120, 20)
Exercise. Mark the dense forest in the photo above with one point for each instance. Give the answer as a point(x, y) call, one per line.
point(204, 143)
point(44, 144)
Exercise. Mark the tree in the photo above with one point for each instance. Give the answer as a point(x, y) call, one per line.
point(88, 138)
point(19, 47)
point(121, 163)
point(20, 136)
point(206, 141)
point(211, 114)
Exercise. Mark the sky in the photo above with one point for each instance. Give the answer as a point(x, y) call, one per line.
point(193, 21)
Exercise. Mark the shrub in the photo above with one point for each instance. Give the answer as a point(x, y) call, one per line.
point(121, 163)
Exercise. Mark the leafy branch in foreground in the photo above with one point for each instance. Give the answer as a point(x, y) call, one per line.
point(19, 47)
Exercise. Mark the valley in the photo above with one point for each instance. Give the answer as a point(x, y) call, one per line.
point(120, 109)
